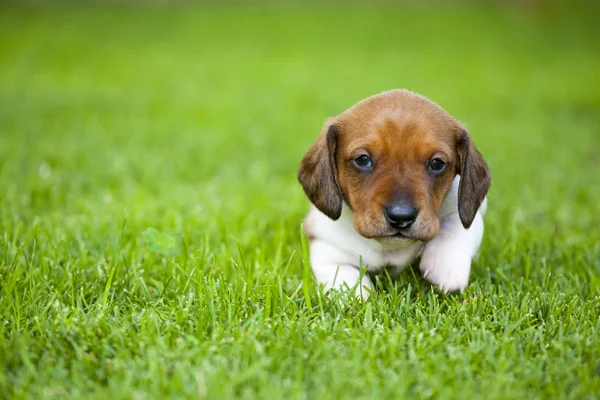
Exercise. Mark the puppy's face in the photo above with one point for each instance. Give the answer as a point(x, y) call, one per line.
point(392, 159)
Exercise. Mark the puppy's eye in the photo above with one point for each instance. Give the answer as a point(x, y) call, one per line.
point(436, 167)
point(363, 162)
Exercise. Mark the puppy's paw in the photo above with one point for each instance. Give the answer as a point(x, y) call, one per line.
point(446, 267)
point(345, 279)
point(342, 292)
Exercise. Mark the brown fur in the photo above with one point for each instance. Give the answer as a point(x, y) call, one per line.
point(401, 132)
point(318, 173)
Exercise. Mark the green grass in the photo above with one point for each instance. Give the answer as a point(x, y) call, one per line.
point(150, 215)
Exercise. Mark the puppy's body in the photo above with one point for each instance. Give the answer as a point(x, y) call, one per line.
point(384, 181)
point(337, 251)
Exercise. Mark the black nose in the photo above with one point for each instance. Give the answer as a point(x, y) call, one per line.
point(401, 215)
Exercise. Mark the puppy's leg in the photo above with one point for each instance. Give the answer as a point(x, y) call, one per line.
point(343, 278)
point(446, 260)
point(335, 271)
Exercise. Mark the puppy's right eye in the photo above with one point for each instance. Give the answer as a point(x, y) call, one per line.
point(436, 167)
point(363, 163)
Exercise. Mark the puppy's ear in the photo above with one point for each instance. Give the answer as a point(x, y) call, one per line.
point(475, 179)
point(318, 173)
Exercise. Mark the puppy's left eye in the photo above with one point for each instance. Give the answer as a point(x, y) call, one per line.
point(363, 162)
point(436, 167)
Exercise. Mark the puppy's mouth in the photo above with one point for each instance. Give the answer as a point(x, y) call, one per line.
point(397, 239)
point(400, 235)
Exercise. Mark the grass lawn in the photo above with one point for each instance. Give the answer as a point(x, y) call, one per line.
point(150, 215)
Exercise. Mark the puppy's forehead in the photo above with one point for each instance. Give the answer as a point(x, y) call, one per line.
point(398, 116)
point(396, 99)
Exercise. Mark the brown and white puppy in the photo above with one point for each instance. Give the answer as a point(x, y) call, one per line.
point(391, 178)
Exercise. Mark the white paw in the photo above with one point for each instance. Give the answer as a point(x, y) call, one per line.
point(446, 267)
point(361, 292)
point(344, 279)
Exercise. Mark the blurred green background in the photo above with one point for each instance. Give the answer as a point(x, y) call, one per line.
point(190, 120)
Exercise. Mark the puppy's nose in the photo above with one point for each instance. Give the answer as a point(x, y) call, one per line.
point(401, 215)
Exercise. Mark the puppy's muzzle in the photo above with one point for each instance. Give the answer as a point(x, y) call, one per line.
point(400, 215)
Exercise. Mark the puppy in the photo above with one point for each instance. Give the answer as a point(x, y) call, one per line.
point(393, 178)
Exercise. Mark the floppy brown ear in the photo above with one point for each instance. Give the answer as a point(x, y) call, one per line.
point(475, 179)
point(318, 173)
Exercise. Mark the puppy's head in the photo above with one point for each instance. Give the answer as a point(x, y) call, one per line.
point(392, 159)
